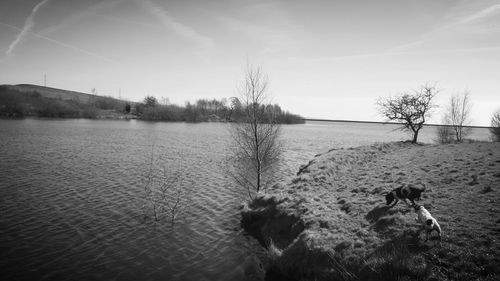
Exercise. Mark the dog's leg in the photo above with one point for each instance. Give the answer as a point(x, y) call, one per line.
point(438, 230)
point(406, 202)
point(394, 204)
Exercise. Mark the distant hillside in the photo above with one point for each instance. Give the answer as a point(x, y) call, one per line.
point(32, 100)
point(54, 93)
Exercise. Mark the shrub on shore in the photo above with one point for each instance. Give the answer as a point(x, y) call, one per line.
point(444, 134)
point(495, 126)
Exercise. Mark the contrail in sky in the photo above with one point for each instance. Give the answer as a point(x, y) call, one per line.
point(62, 44)
point(177, 27)
point(490, 11)
point(28, 26)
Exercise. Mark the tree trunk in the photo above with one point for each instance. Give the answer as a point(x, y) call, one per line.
point(415, 136)
point(257, 146)
point(259, 174)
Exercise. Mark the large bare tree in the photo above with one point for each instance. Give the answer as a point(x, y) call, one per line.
point(411, 110)
point(256, 136)
point(458, 115)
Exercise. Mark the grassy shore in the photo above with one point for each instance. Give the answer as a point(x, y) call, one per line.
point(331, 221)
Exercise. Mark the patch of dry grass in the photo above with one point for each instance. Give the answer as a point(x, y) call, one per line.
point(347, 233)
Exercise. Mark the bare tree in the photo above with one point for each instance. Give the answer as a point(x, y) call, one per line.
point(256, 136)
point(411, 110)
point(495, 125)
point(458, 115)
point(165, 101)
point(163, 195)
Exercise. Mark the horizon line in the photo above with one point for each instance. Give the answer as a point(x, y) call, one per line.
point(303, 118)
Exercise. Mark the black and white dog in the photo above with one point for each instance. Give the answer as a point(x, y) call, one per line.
point(405, 191)
point(427, 220)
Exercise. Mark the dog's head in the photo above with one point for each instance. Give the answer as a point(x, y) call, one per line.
point(389, 198)
point(416, 192)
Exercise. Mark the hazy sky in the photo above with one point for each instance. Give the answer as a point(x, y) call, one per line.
point(324, 59)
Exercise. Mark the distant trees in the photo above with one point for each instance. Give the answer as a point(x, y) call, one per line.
point(191, 114)
point(165, 101)
point(106, 103)
point(457, 115)
point(235, 109)
point(17, 104)
point(412, 110)
point(495, 125)
point(256, 136)
point(150, 101)
point(206, 110)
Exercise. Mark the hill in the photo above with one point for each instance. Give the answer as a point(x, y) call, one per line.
point(331, 222)
point(53, 93)
point(32, 100)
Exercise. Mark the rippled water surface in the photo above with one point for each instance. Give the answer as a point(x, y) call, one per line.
point(70, 193)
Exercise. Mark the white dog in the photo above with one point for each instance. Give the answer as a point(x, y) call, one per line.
point(429, 223)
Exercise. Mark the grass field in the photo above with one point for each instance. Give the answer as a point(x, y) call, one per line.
point(331, 221)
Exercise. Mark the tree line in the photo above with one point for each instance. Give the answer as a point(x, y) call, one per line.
point(203, 110)
point(18, 104)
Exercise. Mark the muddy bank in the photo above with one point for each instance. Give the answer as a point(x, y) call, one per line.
point(331, 223)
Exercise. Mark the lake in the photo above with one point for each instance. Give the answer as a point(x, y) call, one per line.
point(70, 196)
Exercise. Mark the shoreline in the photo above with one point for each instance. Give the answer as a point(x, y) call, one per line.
point(125, 117)
point(331, 222)
point(135, 117)
point(388, 123)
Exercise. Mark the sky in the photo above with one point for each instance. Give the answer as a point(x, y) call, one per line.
point(324, 59)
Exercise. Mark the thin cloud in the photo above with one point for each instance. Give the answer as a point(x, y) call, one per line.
point(177, 27)
point(485, 13)
point(273, 39)
point(62, 44)
point(473, 18)
point(388, 54)
point(28, 26)
point(273, 29)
